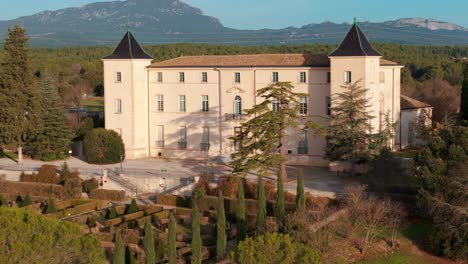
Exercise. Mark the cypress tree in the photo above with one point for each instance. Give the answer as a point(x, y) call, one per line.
point(20, 114)
point(119, 250)
point(54, 138)
point(132, 208)
point(196, 237)
point(240, 213)
point(221, 240)
point(27, 201)
point(129, 256)
point(261, 207)
point(172, 250)
point(279, 212)
point(300, 197)
point(148, 244)
point(51, 208)
point(464, 95)
point(112, 213)
point(160, 251)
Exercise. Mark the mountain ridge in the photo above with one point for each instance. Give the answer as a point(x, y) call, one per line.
point(173, 21)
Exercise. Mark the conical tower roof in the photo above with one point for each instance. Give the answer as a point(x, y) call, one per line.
point(128, 48)
point(355, 44)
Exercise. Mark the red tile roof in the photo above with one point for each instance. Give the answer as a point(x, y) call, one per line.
point(407, 103)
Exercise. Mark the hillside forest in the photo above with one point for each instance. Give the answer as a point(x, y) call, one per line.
point(431, 74)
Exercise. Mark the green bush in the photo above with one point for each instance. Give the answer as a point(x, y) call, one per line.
point(46, 174)
point(3, 201)
point(51, 207)
point(27, 201)
point(112, 195)
point(132, 208)
point(39, 239)
point(103, 146)
point(89, 185)
point(274, 248)
point(112, 213)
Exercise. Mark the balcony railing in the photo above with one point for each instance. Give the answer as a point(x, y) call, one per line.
point(160, 143)
point(235, 117)
point(204, 146)
point(182, 144)
point(301, 150)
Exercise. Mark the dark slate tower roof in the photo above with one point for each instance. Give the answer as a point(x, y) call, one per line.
point(355, 44)
point(128, 48)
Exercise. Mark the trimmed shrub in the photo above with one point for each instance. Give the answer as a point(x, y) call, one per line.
point(103, 146)
point(89, 185)
point(148, 244)
point(278, 248)
point(119, 250)
point(173, 200)
point(33, 189)
point(27, 201)
point(112, 195)
point(112, 213)
point(132, 208)
point(46, 174)
point(3, 201)
point(221, 239)
point(72, 185)
point(172, 250)
point(51, 208)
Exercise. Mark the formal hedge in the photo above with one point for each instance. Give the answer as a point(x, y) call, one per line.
point(35, 190)
point(46, 174)
point(111, 195)
point(103, 146)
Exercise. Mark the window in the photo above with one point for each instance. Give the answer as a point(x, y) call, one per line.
point(275, 77)
point(160, 103)
point(182, 137)
point(237, 143)
point(204, 103)
point(160, 136)
point(328, 103)
point(204, 77)
point(382, 77)
point(181, 103)
point(347, 77)
point(302, 77)
point(181, 77)
point(118, 77)
point(205, 144)
point(237, 77)
point(303, 146)
point(118, 106)
point(238, 107)
point(328, 77)
point(303, 105)
point(159, 77)
point(275, 105)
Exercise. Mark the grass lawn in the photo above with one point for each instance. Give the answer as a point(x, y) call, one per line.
point(93, 104)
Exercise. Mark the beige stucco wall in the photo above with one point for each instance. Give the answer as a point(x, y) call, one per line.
point(132, 122)
point(409, 118)
point(139, 118)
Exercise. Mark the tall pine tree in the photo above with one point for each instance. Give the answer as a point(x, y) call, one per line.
point(348, 132)
point(300, 197)
point(148, 244)
point(119, 249)
point(54, 138)
point(196, 236)
point(464, 95)
point(20, 114)
point(262, 136)
point(172, 250)
point(221, 239)
point(261, 207)
point(241, 223)
point(279, 212)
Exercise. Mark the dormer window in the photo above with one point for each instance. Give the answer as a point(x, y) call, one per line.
point(118, 77)
point(347, 77)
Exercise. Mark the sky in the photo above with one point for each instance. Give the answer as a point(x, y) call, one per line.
point(256, 14)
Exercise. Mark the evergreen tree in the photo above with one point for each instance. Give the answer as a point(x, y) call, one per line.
point(221, 239)
point(119, 250)
point(3, 201)
point(148, 244)
point(112, 213)
point(160, 251)
point(280, 213)
point(300, 197)
point(27, 201)
point(51, 207)
point(172, 250)
point(132, 208)
point(464, 94)
point(262, 136)
point(261, 207)
point(240, 213)
point(348, 131)
point(196, 236)
point(20, 115)
point(55, 136)
point(129, 256)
